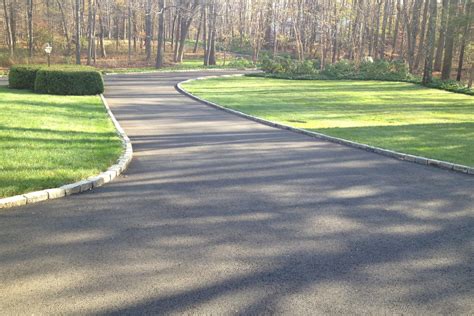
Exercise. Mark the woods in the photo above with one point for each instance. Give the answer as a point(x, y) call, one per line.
point(428, 35)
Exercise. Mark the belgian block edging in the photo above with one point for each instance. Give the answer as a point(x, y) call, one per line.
point(385, 152)
point(84, 185)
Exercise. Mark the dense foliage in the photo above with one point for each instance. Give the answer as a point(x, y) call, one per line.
point(344, 69)
point(287, 68)
point(23, 76)
point(60, 80)
point(69, 81)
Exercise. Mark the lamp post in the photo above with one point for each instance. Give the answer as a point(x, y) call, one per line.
point(48, 49)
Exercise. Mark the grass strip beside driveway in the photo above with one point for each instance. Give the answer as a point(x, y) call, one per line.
point(398, 116)
point(48, 141)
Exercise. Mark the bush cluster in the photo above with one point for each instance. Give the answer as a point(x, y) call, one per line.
point(23, 76)
point(287, 68)
point(61, 80)
point(241, 63)
point(344, 69)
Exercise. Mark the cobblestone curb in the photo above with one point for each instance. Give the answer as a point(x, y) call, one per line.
point(83, 185)
point(385, 152)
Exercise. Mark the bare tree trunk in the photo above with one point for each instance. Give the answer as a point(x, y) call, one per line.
point(395, 32)
point(471, 76)
point(442, 36)
point(103, 53)
point(30, 27)
point(129, 34)
point(204, 34)
point(198, 35)
point(9, 29)
point(449, 45)
point(65, 28)
point(161, 34)
point(78, 32)
point(421, 47)
point(90, 34)
point(429, 48)
point(386, 10)
point(148, 30)
point(465, 38)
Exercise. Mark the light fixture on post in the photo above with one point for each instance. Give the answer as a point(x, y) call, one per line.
point(48, 49)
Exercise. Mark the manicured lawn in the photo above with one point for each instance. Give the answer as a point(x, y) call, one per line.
point(399, 116)
point(47, 141)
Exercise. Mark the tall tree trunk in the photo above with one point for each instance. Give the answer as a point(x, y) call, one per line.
point(198, 35)
point(449, 45)
point(395, 32)
point(386, 10)
point(9, 29)
point(129, 33)
point(412, 31)
point(13, 15)
point(148, 30)
point(204, 34)
point(442, 36)
point(421, 47)
point(465, 37)
point(78, 32)
point(90, 31)
point(430, 45)
point(65, 27)
point(30, 27)
point(161, 34)
point(103, 53)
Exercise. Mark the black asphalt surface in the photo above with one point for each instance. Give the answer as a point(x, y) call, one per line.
point(220, 215)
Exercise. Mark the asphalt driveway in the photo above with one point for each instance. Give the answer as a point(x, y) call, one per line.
point(221, 215)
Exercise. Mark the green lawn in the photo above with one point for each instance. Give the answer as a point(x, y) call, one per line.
point(399, 116)
point(47, 141)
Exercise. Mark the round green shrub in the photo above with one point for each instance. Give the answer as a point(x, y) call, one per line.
point(69, 81)
point(23, 76)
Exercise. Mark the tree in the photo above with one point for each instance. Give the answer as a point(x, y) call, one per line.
point(161, 34)
point(449, 44)
point(429, 49)
point(465, 36)
point(78, 31)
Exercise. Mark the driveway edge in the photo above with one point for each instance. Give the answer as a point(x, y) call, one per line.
point(84, 185)
point(385, 152)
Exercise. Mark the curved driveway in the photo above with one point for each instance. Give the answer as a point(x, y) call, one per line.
point(221, 215)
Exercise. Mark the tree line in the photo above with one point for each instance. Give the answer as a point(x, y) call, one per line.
point(430, 35)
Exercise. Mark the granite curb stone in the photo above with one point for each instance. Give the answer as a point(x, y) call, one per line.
point(385, 152)
point(84, 185)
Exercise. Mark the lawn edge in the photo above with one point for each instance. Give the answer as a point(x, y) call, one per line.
point(84, 185)
point(377, 150)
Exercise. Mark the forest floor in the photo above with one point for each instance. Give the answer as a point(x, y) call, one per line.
point(47, 141)
point(398, 116)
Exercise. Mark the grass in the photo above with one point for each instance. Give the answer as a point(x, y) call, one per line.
point(399, 116)
point(47, 141)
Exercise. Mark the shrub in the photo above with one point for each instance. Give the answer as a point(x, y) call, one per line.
point(303, 68)
point(450, 85)
point(69, 81)
point(384, 70)
point(23, 76)
point(241, 63)
point(341, 70)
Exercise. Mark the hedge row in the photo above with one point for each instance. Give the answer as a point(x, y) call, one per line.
point(61, 80)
